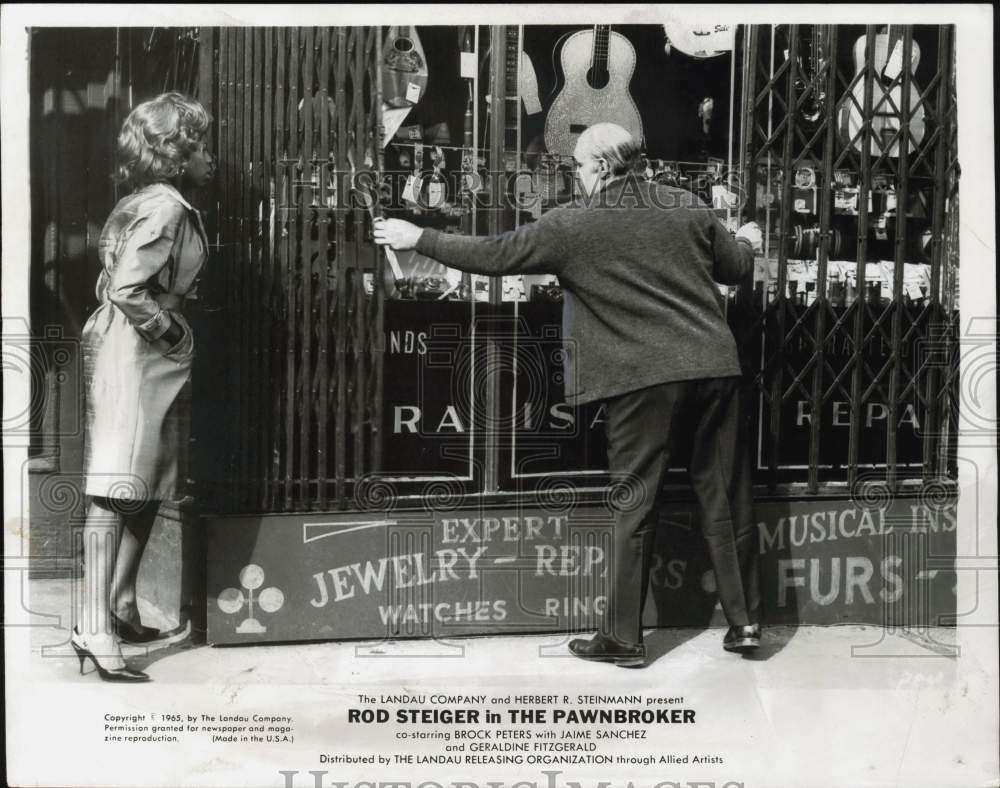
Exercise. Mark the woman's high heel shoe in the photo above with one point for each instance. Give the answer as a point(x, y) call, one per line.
point(125, 674)
point(132, 634)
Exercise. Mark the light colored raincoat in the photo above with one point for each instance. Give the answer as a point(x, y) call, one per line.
point(152, 249)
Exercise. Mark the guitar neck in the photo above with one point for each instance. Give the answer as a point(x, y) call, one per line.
point(599, 58)
point(511, 98)
point(513, 50)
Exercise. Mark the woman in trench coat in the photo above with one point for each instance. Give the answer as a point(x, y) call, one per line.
point(138, 350)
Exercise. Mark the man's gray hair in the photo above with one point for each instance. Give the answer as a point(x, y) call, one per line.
point(611, 142)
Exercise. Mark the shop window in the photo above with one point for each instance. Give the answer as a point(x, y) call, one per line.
point(348, 371)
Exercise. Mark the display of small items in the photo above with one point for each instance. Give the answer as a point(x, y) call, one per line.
point(802, 241)
point(801, 275)
point(537, 181)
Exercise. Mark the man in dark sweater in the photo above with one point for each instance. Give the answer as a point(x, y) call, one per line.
point(645, 333)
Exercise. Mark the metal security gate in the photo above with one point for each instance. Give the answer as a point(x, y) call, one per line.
point(833, 123)
point(846, 156)
point(295, 367)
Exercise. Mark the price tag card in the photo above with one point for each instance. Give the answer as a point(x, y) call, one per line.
point(894, 66)
point(392, 119)
point(913, 291)
point(532, 104)
point(412, 92)
point(467, 65)
point(722, 197)
point(409, 190)
point(435, 194)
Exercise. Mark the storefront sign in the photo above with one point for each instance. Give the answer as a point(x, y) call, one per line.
point(461, 572)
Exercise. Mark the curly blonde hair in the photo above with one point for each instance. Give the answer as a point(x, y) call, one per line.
point(157, 138)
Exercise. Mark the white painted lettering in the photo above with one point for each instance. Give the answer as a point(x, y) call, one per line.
point(891, 577)
point(859, 574)
point(340, 584)
point(472, 559)
point(450, 420)
point(410, 422)
point(561, 417)
point(814, 576)
point(788, 579)
point(545, 555)
point(876, 412)
point(324, 596)
point(446, 560)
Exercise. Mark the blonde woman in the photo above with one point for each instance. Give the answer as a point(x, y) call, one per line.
point(138, 350)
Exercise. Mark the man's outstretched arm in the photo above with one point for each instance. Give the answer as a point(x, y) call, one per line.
point(531, 249)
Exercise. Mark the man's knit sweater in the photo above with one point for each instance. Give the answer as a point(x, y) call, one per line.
point(638, 267)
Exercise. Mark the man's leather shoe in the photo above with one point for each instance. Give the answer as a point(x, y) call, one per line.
point(742, 639)
point(603, 649)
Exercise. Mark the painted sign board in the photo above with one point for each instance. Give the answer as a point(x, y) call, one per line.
point(453, 572)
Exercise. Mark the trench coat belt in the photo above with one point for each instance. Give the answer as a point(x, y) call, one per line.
point(170, 300)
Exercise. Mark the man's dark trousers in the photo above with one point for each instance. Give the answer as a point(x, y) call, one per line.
point(646, 430)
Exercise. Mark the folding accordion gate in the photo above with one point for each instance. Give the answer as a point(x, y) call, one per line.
point(854, 317)
point(294, 310)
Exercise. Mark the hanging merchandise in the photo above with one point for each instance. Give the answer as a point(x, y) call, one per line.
point(433, 192)
point(392, 122)
point(404, 67)
point(701, 40)
point(597, 67)
point(887, 98)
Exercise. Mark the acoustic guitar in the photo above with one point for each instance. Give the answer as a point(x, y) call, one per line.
point(597, 67)
point(887, 95)
point(404, 67)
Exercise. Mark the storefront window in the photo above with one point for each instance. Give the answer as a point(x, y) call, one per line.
point(847, 162)
point(398, 368)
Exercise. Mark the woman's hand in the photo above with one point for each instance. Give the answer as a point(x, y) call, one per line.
point(396, 234)
point(176, 342)
point(174, 333)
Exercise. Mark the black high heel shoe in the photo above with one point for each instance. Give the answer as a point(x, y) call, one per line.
point(131, 634)
point(125, 674)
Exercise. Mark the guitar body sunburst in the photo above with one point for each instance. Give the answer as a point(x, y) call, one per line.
point(592, 94)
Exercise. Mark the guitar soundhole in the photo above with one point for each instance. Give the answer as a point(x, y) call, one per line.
point(598, 77)
point(403, 45)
